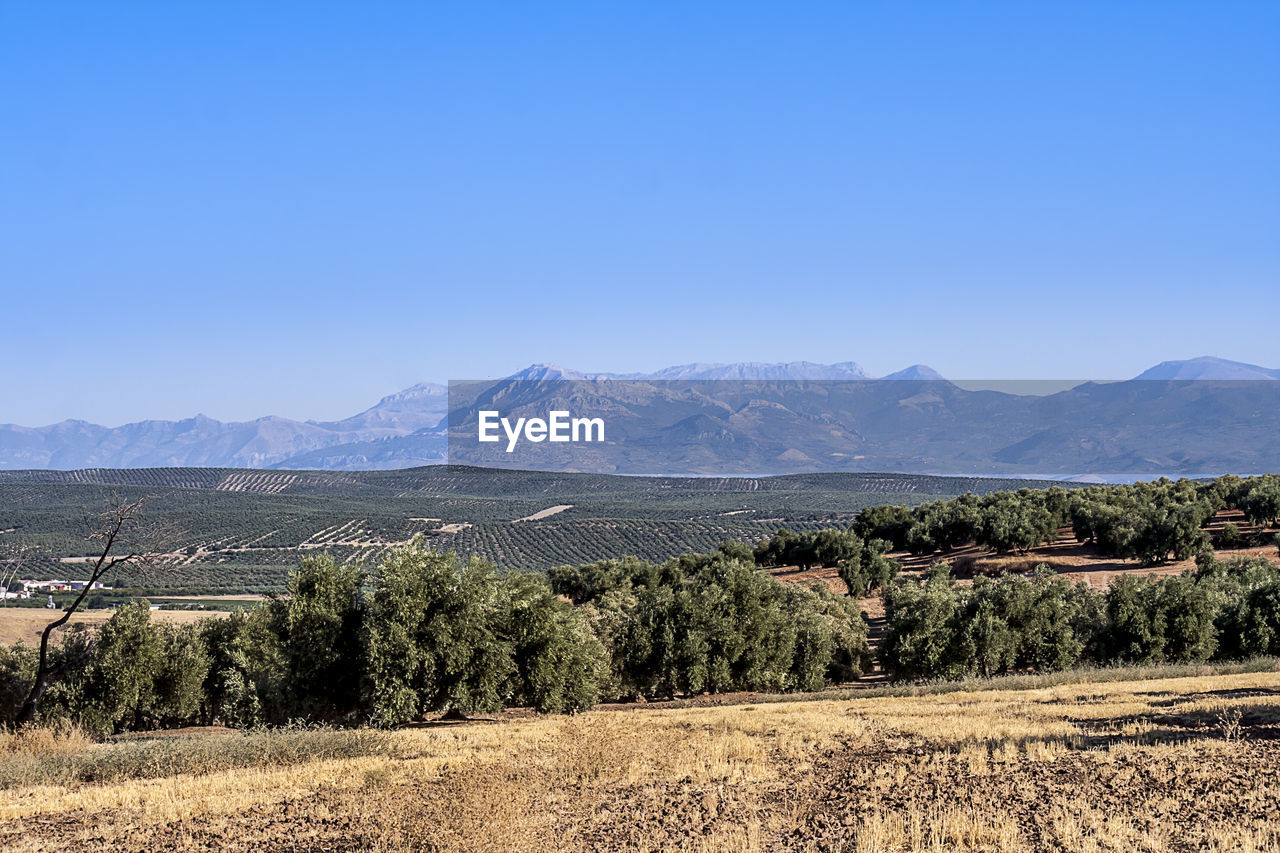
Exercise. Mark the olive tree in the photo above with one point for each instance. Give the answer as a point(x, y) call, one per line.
point(432, 638)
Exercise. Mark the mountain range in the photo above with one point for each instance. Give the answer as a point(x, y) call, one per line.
point(759, 426)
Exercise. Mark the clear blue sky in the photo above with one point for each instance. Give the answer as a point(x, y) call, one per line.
point(297, 208)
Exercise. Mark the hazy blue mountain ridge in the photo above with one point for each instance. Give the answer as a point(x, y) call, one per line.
point(908, 423)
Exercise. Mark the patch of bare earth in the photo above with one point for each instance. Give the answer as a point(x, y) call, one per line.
point(544, 513)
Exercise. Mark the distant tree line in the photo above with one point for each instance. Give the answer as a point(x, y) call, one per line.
point(426, 632)
point(1150, 522)
point(938, 628)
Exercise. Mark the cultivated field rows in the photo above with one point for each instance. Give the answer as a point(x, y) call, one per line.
point(241, 530)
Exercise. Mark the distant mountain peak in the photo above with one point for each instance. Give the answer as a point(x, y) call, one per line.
point(550, 371)
point(760, 371)
point(415, 392)
point(915, 371)
point(1207, 367)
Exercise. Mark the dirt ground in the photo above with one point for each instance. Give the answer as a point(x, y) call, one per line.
point(1175, 764)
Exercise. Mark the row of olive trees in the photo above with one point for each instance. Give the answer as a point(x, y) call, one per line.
point(862, 563)
point(1151, 522)
point(1000, 521)
point(713, 623)
point(1257, 497)
point(426, 632)
point(939, 629)
point(133, 674)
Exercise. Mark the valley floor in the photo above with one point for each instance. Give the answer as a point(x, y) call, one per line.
point(1163, 764)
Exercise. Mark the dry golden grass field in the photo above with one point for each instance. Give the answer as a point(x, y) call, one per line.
point(1077, 762)
point(26, 623)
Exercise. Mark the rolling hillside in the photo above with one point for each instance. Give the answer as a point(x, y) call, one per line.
point(243, 529)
